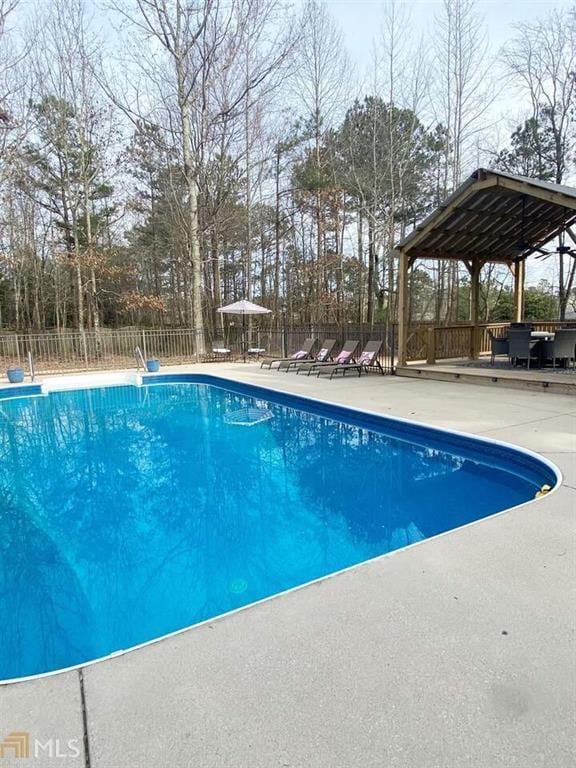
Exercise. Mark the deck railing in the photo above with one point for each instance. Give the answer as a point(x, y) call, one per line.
point(58, 352)
point(434, 342)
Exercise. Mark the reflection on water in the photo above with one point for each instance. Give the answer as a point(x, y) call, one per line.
point(128, 513)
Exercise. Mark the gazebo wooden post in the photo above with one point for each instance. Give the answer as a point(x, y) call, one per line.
point(403, 267)
point(475, 268)
point(519, 271)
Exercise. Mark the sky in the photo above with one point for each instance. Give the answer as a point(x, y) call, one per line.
point(360, 19)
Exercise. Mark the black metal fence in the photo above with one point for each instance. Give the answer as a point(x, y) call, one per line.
point(290, 340)
point(57, 352)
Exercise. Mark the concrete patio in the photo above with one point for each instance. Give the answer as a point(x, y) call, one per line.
point(456, 653)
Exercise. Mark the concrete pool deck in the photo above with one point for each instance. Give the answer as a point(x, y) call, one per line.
point(456, 653)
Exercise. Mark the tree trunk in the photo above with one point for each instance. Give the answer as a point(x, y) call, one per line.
point(277, 239)
point(371, 271)
point(193, 243)
point(360, 279)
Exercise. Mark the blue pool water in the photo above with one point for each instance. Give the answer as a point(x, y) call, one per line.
point(128, 513)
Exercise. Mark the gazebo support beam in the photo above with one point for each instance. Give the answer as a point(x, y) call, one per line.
point(475, 269)
point(403, 269)
point(519, 272)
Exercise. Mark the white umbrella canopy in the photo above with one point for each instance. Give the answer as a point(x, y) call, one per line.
point(244, 307)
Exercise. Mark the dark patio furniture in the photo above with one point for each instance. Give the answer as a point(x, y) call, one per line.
point(498, 346)
point(521, 346)
point(562, 347)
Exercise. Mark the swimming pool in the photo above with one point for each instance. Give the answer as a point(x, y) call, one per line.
point(132, 512)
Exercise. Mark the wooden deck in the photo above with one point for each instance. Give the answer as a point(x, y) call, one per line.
point(467, 372)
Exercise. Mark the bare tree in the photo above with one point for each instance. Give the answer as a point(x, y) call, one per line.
point(201, 42)
point(464, 84)
point(541, 61)
point(461, 98)
point(406, 81)
point(75, 131)
point(12, 80)
point(181, 29)
point(7, 58)
point(321, 75)
point(260, 54)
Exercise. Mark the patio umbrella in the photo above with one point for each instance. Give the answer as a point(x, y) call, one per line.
point(244, 308)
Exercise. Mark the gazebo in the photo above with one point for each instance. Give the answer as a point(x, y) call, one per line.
point(493, 217)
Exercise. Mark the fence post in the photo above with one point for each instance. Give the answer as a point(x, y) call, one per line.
point(431, 346)
point(144, 350)
point(85, 348)
point(284, 334)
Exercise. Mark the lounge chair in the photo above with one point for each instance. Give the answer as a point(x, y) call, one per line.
point(345, 356)
point(304, 353)
point(368, 359)
point(324, 355)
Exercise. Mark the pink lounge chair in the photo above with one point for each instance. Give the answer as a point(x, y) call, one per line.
point(302, 354)
point(368, 359)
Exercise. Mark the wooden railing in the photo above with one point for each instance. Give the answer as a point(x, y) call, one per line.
point(434, 342)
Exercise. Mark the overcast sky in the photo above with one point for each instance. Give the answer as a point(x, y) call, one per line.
point(360, 19)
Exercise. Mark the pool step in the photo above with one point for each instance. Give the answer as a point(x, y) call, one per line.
point(91, 381)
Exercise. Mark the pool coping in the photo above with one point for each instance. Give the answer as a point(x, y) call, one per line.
point(106, 380)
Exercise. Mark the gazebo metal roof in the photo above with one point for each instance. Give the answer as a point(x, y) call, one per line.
point(493, 216)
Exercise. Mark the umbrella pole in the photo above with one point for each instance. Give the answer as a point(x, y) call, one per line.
point(244, 336)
